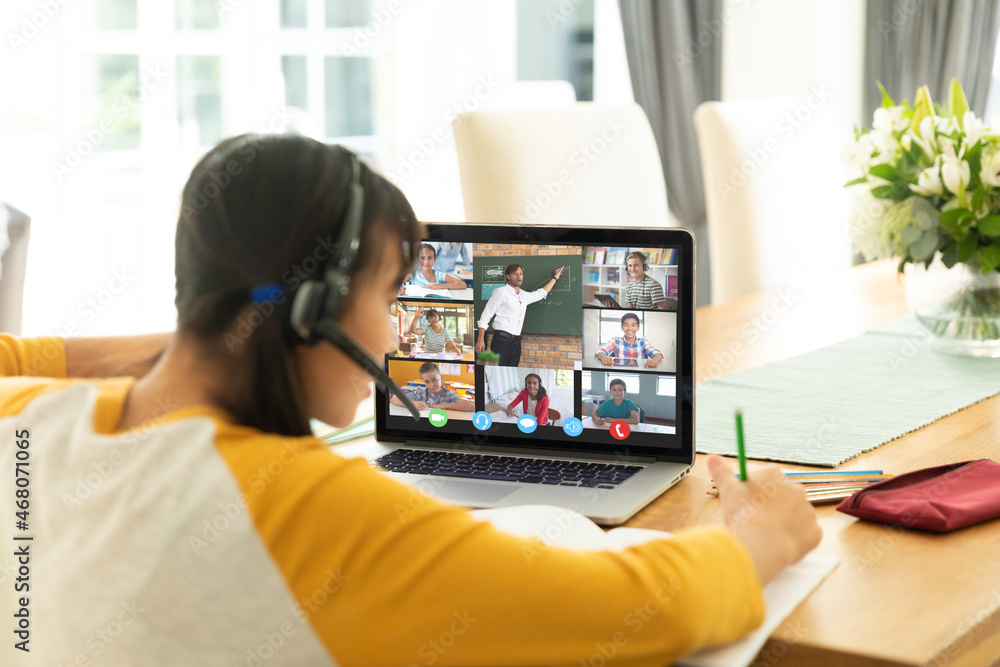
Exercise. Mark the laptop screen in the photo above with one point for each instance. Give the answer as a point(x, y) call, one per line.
point(564, 338)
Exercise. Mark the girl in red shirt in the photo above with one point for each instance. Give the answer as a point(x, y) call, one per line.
point(533, 393)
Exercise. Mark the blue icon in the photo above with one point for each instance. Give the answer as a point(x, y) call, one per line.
point(482, 420)
point(527, 423)
point(572, 427)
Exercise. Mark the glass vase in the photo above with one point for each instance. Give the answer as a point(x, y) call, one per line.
point(960, 307)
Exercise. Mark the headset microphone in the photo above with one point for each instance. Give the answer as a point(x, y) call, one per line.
point(317, 301)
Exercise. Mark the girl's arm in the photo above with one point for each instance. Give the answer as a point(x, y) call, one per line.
point(416, 320)
point(449, 282)
point(542, 408)
point(114, 355)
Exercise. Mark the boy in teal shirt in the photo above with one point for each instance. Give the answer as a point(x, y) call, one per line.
point(618, 408)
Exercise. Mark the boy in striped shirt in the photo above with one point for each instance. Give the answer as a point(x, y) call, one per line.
point(642, 291)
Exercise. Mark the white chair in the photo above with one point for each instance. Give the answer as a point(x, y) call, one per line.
point(582, 164)
point(13, 261)
point(774, 196)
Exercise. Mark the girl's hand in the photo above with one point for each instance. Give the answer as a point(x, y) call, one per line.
point(770, 515)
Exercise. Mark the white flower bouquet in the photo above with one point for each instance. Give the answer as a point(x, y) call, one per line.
point(931, 189)
point(933, 180)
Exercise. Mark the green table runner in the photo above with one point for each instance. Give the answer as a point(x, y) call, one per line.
point(830, 405)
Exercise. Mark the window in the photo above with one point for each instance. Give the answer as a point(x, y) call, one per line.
point(666, 385)
point(129, 94)
point(555, 41)
point(455, 322)
point(564, 378)
point(150, 86)
point(631, 381)
point(585, 381)
point(611, 324)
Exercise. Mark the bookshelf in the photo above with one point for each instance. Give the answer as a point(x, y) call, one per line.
point(610, 278)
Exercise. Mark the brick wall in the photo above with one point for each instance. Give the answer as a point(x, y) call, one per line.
point(538, 350)
point(551, 351)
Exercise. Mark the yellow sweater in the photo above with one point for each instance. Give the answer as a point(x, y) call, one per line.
point(194, 540)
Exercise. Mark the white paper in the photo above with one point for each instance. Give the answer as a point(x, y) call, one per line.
point(565, 528)
point(417, 291)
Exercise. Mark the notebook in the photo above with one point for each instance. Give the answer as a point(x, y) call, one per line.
point(562, 528)
point(473, 453)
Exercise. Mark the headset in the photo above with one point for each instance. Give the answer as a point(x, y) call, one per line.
point(317, 300)
point(645, 262)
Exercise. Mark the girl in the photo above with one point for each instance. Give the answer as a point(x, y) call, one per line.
point(533, 400)
point(436, 337)
point(425, 276)
point(191, 503)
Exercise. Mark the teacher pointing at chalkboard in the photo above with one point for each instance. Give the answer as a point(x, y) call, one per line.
point(508, 304)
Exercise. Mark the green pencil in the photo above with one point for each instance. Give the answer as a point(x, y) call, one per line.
point(739, 445)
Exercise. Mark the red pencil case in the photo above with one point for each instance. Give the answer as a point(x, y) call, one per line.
point(938, 499)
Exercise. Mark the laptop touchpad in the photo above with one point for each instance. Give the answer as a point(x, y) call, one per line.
point(466, 493)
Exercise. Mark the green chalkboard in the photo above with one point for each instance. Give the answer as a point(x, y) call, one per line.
point(561, 312)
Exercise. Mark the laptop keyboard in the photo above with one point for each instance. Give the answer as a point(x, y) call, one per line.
point(507, 468)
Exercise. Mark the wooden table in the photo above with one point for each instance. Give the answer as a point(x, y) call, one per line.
point(898, 597)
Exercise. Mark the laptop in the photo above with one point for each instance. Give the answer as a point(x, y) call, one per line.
point(479, 456)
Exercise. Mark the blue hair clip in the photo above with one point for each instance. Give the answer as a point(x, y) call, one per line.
point(266, 293)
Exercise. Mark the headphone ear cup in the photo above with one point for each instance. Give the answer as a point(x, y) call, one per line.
point(307, 308)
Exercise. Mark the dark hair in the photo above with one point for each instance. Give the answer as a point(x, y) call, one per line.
point(627, 316)
point(541, 389)
point(427, 367)
point(432, 312)
point(511, 268)
point(617, 381)
point(267, 209)
point(429, 247)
